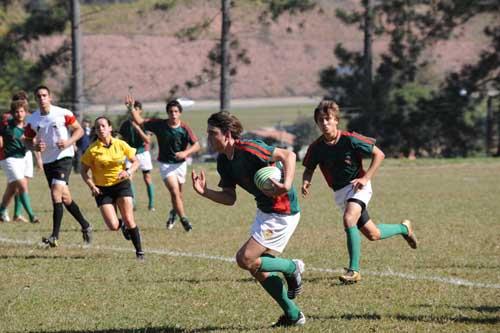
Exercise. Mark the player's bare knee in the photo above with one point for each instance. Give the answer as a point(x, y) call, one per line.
point(373, 236)
point(244, 261)
point(66, 201)
point(350, 219)
point(130, 224)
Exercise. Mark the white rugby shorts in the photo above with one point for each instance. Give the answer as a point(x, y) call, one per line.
point(14, 168)
point(348, 192)
point(28, 168)
point(144, 159)
point(273, 231)
point(174, 169)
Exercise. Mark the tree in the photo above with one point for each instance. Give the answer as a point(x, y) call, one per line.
point(225, 84)
point(463, 126)
point(398, 89)
point(76, 59)
point(228, 54)
point(39, 18)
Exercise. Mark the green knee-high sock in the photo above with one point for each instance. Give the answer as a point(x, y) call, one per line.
point(151, 195)
point(17, 205)
point(133, 195)
point(354, 247)
point(274, 287)
point(26, 201)
point(271, 264)
point(389, 230)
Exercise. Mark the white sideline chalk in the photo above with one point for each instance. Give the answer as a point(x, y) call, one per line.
point(389, 272)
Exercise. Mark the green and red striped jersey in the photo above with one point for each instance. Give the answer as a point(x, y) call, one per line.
point(170, 139)
point(250, 156)
point(340, 162)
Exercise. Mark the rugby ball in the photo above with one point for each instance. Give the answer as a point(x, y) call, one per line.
point(263, 175)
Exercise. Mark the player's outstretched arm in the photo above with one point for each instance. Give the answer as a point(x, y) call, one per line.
point(306, 181)
point(226, 197)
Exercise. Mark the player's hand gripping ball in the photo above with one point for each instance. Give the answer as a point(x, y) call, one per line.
point(263, 175)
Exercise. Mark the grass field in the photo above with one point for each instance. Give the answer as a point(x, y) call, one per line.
point(189, 282)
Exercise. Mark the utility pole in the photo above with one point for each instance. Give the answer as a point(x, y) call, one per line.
point(489, 125)
point(367, 56)
point(225, 84)
point(76, 59)
point(490, 94)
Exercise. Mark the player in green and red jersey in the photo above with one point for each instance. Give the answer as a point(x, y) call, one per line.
point(339, 155)
point(278, 211)
point(176, 141)
point(134, 135)
point(14, 164)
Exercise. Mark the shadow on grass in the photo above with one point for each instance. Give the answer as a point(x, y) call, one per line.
point(415, 318)
point(320, 279)
point(348, 316)
point(164, 329)
point(31, 257)
point(479, 308)
point(199, 281)
point(448, 319)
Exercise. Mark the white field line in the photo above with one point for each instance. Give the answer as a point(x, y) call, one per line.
point(387, 273)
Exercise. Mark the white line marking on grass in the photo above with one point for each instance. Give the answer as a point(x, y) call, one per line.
point(409, 276)
point(388, 273)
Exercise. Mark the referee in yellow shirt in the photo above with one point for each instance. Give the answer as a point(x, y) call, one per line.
point(110, 181)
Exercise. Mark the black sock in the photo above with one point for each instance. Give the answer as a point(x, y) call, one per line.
point(136, 239)
point(74, 210)
point(57, 215)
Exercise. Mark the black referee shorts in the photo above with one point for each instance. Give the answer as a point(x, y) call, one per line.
point(109, 194)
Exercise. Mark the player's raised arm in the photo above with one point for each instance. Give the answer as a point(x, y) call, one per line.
point(136, 116)
point(144, 136)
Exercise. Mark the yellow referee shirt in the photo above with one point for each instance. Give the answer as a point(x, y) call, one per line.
point(106, 162)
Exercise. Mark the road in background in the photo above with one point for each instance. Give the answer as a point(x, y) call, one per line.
point(203, 105)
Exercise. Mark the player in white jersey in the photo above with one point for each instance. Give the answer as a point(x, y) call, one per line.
point(53, 131)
